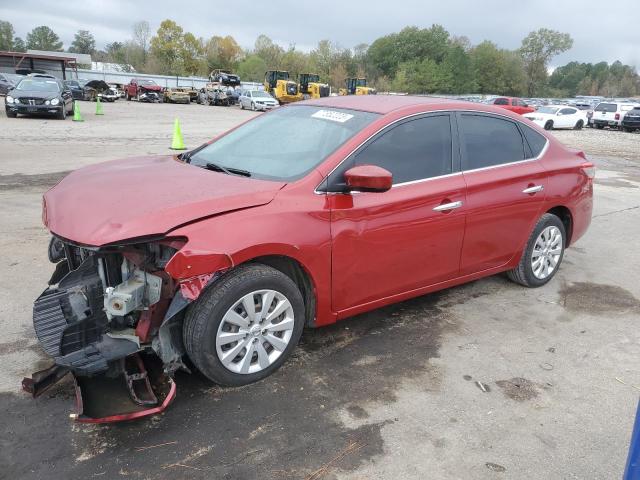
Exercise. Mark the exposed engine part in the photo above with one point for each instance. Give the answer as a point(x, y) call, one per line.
point(140, 290)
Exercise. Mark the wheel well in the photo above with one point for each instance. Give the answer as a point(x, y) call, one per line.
point(564, 214)
point(296, 272)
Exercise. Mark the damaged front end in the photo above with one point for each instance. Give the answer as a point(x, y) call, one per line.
point(111, 316)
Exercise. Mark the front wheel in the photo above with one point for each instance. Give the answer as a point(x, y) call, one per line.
point(543, 253)
point(579, 125)
point(242, 328)
point(62, 114)
point(11, 114)
point(253, 106)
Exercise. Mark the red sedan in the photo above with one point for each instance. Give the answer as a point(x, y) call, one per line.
point(513, 104)
point(298, 218)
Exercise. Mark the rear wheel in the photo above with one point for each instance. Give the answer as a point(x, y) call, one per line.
point(244, 327)
point(548, 125)
point(543, 253)
point(579, 125)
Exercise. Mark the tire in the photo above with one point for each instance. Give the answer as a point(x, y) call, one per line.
point(599, 126)
point(241, 106)
point(63, 113)
point(628, 130)
point(205, 320)
point(253, 107)
point(548, 125)
point(11, 114)
point(579, 125)
point(524, 272)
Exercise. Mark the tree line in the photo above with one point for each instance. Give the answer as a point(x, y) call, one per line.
point(413, 60)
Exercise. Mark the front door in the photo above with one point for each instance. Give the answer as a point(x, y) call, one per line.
point(409, 237)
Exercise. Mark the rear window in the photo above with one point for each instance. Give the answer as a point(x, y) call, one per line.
point(490, 141)
point(607, 107)
point(535, 140)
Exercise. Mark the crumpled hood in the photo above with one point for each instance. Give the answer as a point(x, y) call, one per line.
point(136, 197)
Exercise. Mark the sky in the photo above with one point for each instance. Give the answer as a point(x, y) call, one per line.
point(606, 31)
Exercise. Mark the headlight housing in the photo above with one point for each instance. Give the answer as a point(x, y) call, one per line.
point(55, 101)
point(9, 99)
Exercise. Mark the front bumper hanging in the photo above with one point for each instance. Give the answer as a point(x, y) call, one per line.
point(139, 390)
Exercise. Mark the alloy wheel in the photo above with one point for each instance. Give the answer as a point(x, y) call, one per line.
point(255, 331)
point(546, 252)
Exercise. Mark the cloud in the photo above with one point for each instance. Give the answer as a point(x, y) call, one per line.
point(599, 33)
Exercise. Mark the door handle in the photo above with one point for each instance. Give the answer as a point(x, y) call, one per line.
point(534, 189)
point(447, 206)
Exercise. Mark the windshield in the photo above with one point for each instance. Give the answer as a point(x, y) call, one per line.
point(551, 110)
point(147, 82)
point(285, 144)
point(38, 85)
point(260, 93)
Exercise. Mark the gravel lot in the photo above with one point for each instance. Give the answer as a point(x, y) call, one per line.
point(390, 394)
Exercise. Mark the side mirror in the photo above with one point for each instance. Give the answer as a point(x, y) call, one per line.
point(368, 178)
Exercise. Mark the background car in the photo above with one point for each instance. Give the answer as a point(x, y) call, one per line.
point(8, 81)
point(77, 89)
point(37, 95)
point(513, 104)
point(176, 95)
point(631, 120)
point(610, 114)
point(257, 100)
point(558, 116)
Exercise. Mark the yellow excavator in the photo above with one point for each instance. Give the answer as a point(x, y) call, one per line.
point(311, 87)
point(277, 83)
point(357, 86)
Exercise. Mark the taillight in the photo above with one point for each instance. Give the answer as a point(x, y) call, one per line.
point(617, 117)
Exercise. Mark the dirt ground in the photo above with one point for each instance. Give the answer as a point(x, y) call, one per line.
point(486, 381)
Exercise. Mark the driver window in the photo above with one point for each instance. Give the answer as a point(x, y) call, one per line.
point(413, 150)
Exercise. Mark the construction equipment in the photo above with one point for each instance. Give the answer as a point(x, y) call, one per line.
point(311, 87)
point(277, 83)
point(357, 86)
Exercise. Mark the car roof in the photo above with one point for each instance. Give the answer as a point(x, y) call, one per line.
point(385, 104)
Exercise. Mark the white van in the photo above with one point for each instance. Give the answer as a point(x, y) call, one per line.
point(610, 114)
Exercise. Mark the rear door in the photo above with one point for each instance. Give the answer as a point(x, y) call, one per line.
point(409, 237)
point(505, 188)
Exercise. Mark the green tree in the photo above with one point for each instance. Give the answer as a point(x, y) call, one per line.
point(222, 52)
point(252, 68)
point(458, 69)
point(83, 42)
point(6, 36)
point(268, 51)
point(488, 68)
point(43, 38)
point(19, 45)
point(176, 52)
point(537, 50)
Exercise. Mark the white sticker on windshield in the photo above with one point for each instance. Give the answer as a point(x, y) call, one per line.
point(332, 115)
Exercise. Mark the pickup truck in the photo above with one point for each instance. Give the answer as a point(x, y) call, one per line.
point(514, 104)
point(143, 90)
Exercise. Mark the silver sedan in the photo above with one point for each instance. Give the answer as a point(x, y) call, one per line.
point(257, 100)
